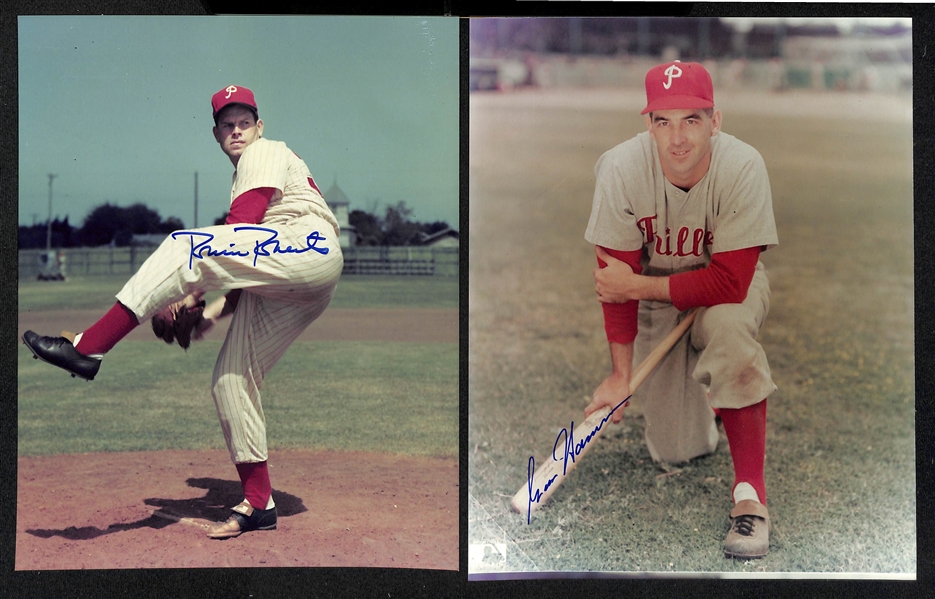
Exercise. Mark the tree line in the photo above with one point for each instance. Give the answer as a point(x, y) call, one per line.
point(394, 229)
point(109, 224)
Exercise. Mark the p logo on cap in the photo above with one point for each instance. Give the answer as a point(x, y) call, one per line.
point(232, 94)
point(672, 71)
point(677, 85)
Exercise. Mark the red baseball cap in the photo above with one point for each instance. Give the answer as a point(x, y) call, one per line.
point(676, 85)
point(232, 94)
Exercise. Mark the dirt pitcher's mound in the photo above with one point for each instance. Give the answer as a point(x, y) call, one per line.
point(150, 510)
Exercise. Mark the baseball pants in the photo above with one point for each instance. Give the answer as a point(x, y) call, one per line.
point(719, 364)
point(283, 292)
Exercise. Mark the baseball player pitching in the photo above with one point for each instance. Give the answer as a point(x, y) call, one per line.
point(278, 257)
point(680, 215)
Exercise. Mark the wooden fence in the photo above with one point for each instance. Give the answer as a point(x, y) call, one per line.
point(418, 261)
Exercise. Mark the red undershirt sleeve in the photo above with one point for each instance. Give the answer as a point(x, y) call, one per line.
point(620, 319)
point(724, 281)
point(250, 206)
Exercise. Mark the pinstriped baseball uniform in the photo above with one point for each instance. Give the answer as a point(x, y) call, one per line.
point(288, 267)
point(730, 208)
point(268, 163)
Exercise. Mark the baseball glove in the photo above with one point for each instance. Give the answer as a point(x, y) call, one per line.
point(176, 322)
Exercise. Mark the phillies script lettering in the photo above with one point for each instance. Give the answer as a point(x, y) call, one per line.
point(570, 450)
point(262, 247)
point(687, 242)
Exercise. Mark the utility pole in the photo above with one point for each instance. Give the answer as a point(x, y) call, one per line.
point(196, 200)
point(48, 232)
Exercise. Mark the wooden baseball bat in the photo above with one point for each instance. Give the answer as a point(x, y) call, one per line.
point(549, 476)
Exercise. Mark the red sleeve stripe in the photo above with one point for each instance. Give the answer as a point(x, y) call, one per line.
point(724, 281)
point(620, 323)
point(250, 206)
point(315, 187)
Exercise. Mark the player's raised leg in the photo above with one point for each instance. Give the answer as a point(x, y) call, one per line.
point(287, 260)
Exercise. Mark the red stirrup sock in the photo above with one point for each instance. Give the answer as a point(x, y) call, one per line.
point(104, 334)
point(746, 434)
point(256, 486)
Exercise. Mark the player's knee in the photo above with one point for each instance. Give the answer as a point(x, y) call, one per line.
point(729, 320)
point(225, 384)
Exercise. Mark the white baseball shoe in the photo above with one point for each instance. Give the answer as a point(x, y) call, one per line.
point(749, 530)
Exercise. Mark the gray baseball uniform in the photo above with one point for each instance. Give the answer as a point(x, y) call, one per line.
point(730, 208)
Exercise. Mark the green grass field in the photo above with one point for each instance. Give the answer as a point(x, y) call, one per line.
point(361, 396)
point(840, 433)
point(353, 292)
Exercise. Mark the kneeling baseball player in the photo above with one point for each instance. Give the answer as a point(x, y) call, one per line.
point(680, 215)
point(278, 257)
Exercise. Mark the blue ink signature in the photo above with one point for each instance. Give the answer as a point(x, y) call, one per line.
point(201, 249)
point(535, 498)
point(571, 451)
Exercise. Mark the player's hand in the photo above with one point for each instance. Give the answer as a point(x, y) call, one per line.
point(212, 313)
point(614, 282)
point(610, 393)
point(201, 327)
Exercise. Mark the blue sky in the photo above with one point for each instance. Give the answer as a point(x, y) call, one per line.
point(118, 108)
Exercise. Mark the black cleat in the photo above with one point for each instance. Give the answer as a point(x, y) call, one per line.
point(58, 351)
point(244, 518)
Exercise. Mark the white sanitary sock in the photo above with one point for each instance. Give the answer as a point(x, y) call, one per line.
point(745, 491)
point(75, 344)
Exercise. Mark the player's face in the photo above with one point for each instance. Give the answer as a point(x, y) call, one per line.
point(237, 129)
point(683, 138)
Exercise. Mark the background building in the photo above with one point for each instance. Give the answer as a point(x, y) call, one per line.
point(339, 202)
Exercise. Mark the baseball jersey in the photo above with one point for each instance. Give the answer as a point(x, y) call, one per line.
point(635, 206)
point(268, 163)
